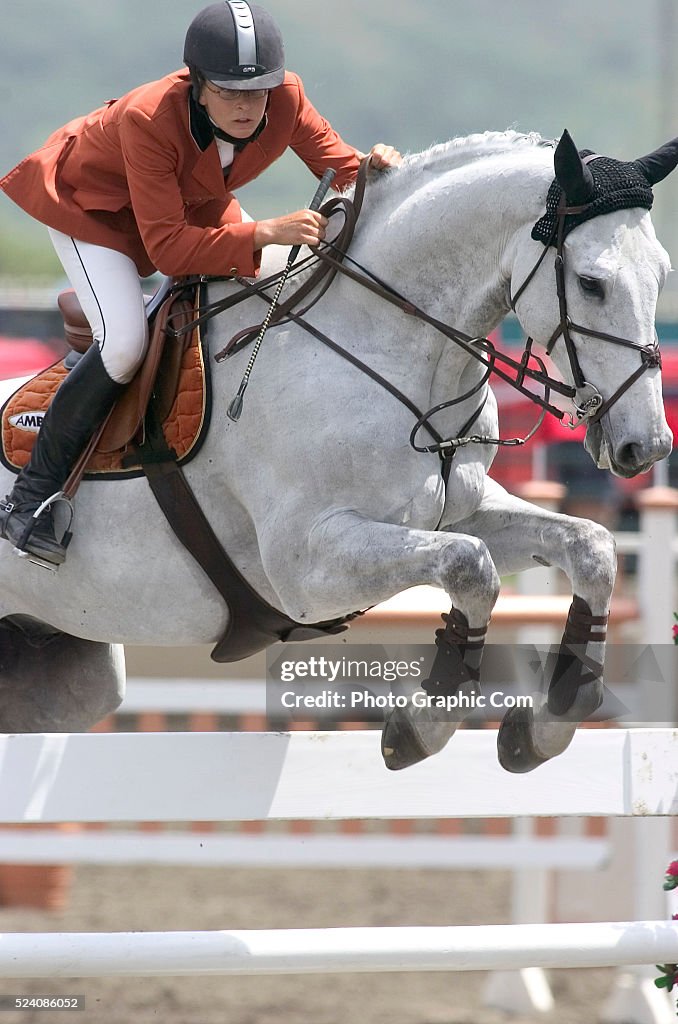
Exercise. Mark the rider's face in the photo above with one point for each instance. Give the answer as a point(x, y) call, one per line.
point(237, 117)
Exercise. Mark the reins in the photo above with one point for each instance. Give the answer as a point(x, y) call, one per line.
point(332, 258)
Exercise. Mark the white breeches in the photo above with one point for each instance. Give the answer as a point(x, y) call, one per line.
point(109, 289)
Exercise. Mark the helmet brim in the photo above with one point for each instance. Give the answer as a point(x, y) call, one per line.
point(268, 81)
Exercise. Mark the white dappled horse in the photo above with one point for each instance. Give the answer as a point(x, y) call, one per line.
point(317, 494)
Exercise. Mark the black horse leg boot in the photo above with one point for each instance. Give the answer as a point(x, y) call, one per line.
point(79, 406)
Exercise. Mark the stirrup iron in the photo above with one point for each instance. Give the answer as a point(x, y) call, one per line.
point(20, 549)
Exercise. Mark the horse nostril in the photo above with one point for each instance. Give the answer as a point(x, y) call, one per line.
point(636, 457)
point(629, 455)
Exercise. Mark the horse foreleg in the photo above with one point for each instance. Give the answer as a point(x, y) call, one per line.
point(518, 536)
point(421, 729)
point(359, 563)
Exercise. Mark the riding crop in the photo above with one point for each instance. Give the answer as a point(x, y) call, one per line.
point(235, 408)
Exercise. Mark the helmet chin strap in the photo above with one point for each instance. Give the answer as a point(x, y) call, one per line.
point(238, 144)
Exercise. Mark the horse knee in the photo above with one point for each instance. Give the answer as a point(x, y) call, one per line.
point(592, 552)
point(467, 568)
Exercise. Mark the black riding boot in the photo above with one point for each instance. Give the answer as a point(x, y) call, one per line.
point(79, 406)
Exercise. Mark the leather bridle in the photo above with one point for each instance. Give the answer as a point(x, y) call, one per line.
point(588, 402)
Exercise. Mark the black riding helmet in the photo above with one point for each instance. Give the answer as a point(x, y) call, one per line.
point(236, 45)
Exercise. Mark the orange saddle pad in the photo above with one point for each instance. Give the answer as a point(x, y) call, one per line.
point(184, 425)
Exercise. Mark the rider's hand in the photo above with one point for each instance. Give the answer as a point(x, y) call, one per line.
point(384, 157)
point(305, 227)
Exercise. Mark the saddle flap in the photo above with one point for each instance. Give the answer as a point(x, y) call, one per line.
point(176, 379)
point(163, 354)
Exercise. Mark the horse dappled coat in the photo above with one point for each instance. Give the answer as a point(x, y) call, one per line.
point(316, 493)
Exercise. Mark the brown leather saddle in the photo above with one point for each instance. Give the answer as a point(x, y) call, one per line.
point(173, 375)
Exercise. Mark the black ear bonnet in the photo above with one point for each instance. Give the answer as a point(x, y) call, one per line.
point(600, 184)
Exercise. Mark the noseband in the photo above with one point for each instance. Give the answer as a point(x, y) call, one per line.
point(588, 402)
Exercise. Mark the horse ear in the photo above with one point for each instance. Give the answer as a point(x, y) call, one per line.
point(572, 174)
point(657, 165)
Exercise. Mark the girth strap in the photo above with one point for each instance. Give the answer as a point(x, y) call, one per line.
point(253, 623)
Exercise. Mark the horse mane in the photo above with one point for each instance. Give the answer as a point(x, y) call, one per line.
point(465, 149)
point(458, 152)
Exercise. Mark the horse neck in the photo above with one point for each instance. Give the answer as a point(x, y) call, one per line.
point(446, 243)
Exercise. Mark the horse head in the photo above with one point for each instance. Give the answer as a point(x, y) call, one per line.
point(609, 270)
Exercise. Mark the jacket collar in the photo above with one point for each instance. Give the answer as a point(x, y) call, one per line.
point(207, 169)
point(199, 123)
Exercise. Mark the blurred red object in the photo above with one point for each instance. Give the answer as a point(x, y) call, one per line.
point(20, 357)
point(670, 381)
point(517, 415)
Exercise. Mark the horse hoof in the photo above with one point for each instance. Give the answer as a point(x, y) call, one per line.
point(400, 746)
point(515, 742)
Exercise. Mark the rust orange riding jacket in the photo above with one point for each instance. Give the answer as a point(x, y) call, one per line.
point(142, 175)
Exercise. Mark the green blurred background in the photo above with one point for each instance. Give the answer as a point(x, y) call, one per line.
point(410, 72)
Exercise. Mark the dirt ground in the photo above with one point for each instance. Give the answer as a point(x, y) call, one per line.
point(160, 899)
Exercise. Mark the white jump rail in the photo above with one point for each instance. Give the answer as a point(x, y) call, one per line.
point(309, 850)
point(258, 776)
point(337, 950)
point(123, 777)
point(199, 848)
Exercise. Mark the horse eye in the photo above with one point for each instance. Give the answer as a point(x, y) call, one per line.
point(592, 286)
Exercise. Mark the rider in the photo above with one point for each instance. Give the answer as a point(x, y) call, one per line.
point(146, 183)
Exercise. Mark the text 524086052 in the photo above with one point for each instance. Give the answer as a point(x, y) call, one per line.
point(26, 1002)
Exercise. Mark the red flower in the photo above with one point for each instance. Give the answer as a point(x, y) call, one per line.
point(669, 972)
point(671, 877)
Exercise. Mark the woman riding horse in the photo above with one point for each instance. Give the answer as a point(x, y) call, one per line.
point(146, 183)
